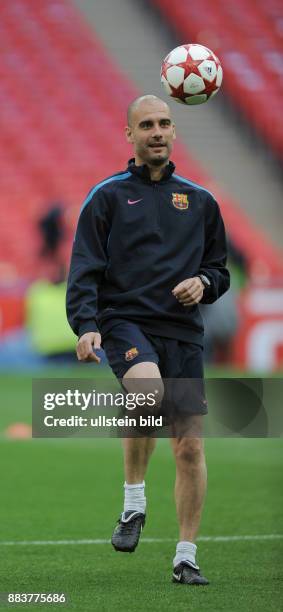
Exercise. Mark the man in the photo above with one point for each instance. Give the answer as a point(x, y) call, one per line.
point(150, 245)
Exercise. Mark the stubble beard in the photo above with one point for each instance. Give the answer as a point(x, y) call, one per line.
point(158, 162)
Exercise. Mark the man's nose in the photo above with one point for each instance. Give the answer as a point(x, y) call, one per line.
point(157, 133)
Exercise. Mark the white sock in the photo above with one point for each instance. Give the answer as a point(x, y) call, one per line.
point(134, 497)
point(185, 551)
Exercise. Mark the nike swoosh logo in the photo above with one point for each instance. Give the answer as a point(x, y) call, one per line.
point(130, 517)
point(134, 201)
point(193, 565)
point(177, 576)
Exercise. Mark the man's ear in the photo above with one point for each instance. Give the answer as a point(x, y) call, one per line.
point(129, 135)
point(174, 131)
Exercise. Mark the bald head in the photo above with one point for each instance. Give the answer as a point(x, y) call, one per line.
point(147, 101)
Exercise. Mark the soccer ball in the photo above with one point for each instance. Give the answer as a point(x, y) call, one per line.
point(191, 74)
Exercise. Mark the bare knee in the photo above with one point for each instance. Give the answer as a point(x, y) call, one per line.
point(189, 451)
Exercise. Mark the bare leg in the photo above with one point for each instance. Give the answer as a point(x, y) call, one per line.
point(190, 486)
point(137, 451)
point(142, 377)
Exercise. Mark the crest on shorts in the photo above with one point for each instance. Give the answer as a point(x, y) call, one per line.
point(131, 353)
point(180, 200)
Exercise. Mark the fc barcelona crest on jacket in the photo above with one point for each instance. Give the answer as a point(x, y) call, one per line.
point(180, 200)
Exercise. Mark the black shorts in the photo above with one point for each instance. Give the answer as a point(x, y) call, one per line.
point(180, 363)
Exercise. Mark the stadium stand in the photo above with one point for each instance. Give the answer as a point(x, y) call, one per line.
point(247, 35)
point(63, 102)
point(56, 118)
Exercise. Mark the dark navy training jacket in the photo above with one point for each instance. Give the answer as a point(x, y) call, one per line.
point(136, 240)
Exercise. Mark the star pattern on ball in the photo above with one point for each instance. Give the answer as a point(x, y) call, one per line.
point(191, 74)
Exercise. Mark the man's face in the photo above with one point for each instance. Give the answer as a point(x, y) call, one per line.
point(152, 133)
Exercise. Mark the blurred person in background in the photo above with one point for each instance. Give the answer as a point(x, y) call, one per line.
point(53, 233)
point(50, 334)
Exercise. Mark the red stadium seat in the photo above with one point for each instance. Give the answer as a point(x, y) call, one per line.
point(63, 103)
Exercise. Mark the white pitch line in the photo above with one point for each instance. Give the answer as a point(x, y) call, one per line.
point(236, 538)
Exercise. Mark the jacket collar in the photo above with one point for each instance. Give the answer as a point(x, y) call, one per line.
point(144, 174)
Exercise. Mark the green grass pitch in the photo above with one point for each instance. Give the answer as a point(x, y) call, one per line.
point(54, 490)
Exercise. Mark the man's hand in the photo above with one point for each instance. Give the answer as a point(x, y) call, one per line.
point(189, 291)
point(87, 345)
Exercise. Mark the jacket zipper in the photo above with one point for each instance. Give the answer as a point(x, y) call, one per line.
point(157, 200)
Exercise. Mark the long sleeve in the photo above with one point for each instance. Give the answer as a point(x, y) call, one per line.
point(213, 264)
point(88, 264)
